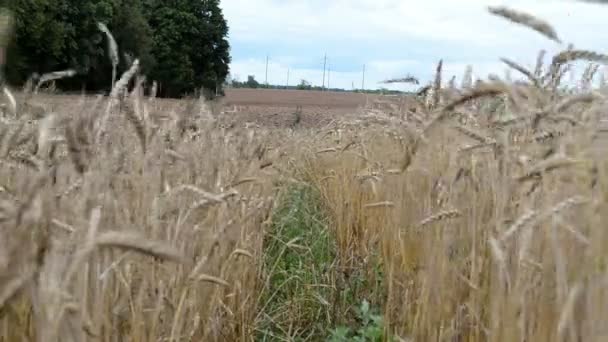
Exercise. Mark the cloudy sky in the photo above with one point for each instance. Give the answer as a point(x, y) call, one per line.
point(394, 38)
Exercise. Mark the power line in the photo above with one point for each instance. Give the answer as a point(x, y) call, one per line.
point(326, 83)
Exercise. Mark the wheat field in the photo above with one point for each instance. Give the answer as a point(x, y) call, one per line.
point(474, 213)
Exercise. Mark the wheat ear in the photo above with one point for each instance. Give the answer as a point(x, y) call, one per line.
point(522, 70)
point(571, 55)
point(52, 76)
point(138, 243)
point(526, 20)
point(437, 84)
point(112, 49)
point(538, 70)
point(441, 216)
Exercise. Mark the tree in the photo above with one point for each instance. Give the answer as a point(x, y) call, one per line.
point(251, 82)
point(39, 38)
point(133, 36)
point(182, 44)
point(190, 45)
point(54, 35)
point(212, 60)
point(6, 30)
point(304, 85)
point(85, 50)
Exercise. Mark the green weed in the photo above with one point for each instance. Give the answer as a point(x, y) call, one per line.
point(298, 261)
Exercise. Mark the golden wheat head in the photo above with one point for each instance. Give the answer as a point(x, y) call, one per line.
point(527, 20)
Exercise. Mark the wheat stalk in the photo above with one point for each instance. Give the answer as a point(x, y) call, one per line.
point(567, 313)
point(384, 204)
point(138, 126)
point(406, 79)
point(575, 55)
point(211, 279)
point(478, 136)
point(501, 260)
point(521, 222)
point(441, 216)
point(112, 49)
point(544, 166)
point(122, 83)
point(241, 252)
point(467, 78)
point(75, 150)
point(484, 90)
point(11, 100)
point(538, 70)
point(207, 196)
point(570, 101)
point(138, 243)
point(154, 90)
point(452, 83)
point(522, 70)
point(13, 286)
point(526, 20)
point(564, 105)
point(118, 89)
point(52, 76)
point(437, 85)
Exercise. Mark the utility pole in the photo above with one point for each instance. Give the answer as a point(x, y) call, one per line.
point(324, 64)
point(287, 84)
point(363, 80)
point(266, 78)
point(328, 75)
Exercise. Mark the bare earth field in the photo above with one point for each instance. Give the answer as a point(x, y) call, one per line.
point(263, 107)
point(277, 108)
point(284, 98)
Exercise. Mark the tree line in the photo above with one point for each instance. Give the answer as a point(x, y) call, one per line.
point(252, 83)
point(181, 44)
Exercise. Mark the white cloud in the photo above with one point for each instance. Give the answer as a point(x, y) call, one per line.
point(395, 37)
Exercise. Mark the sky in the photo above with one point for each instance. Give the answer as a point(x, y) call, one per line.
point(396, 38)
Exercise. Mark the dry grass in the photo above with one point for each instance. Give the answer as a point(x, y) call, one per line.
point(126, 219)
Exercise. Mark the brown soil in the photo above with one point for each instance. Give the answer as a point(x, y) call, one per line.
point(264, 107)
point(278, 108)
point(274, 97)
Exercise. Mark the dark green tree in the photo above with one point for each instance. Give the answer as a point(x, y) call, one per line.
point(39, 39)
point(190, 45)
point(182, 44)
point(85, 51)
point(132, 33)
point(213, 66)
point(304, 85)
point(251, 82)
point(53, 35)
point(134, 38)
